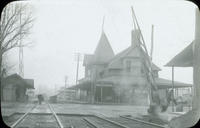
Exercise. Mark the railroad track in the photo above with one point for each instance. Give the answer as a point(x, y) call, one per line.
point(31, 119)
point(34, 118)
point(154, 125)
point(37, 118)
point(22, 117)
point(121, 122)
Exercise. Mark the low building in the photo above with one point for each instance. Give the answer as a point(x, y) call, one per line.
point(66, 95)
point(14, 88)
point(120, 78)
point(63, 95)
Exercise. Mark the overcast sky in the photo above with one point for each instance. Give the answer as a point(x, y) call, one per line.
point(63, 28)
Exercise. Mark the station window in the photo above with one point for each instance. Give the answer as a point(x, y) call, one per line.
point(101, 74)
point(142, 71)
point(88, 73)
point(128, 66)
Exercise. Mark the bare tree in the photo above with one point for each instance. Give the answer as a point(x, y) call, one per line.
point(15, 25)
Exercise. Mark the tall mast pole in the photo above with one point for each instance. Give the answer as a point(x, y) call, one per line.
point(148, 69)
point(152, 41)
point(151, 77)
point(21, 56)
point(66, 81)
point(103, 23)
point(77, 68)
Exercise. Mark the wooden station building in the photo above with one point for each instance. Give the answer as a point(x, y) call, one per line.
point(119, 78)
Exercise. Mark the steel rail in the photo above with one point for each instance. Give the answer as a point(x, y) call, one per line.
point(56, 117)
point(89, 122)
point(112, 122)
point(22, 117)
point(145, 122)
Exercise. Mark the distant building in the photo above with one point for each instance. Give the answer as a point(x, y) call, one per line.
point(14, 88)
point(66, 95)
point(63, 95)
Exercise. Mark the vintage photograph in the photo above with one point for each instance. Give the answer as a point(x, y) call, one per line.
point(100, 64)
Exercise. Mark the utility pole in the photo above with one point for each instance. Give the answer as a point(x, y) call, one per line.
point(152, 34)
point(173, 88)
point(77, 68)
point(66, 81)
point(21, 56)
point(147, 62)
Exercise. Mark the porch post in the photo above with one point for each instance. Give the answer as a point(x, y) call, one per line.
point(196, 63)
point(173, 87)
point(101, 93)
point(177, 91)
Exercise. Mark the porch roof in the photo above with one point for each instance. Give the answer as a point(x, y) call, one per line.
point(164, 83)
point(161, 82)
point(183, 59)
point(86, 85)
point(122, 80)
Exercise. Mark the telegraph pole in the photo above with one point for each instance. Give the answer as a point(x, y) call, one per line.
point(21, 56)
point(66, 81)
point(77, 68)
point(152, 34)
point(173, 88)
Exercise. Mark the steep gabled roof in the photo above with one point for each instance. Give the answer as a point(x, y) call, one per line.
point(116, 63)
point(103, 52)
point(134, 50)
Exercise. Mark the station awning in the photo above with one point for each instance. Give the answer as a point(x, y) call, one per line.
point(104, 85)
point(126, 80)
point(164, 83)
point(84, 86)
point(183, 59)
point(160, 82)
point(130, 80)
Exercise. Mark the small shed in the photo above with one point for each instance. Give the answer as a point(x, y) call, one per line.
point(14, 88)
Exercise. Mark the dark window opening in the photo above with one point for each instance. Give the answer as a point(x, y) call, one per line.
point(128, 66)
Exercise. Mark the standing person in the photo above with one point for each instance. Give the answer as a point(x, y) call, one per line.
point(40, 98)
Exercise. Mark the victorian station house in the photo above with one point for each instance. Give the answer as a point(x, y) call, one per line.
point(119, 78)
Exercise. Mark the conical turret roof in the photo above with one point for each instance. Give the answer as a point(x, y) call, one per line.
point(103, 52)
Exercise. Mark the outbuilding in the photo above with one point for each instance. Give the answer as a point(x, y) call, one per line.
point(14, 88)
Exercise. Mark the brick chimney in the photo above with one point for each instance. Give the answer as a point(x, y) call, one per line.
point(135, 38)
